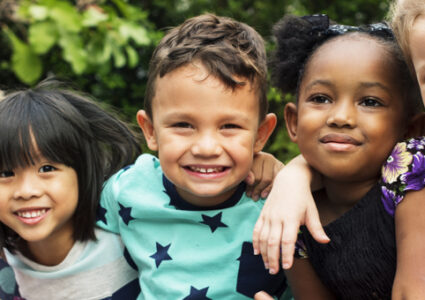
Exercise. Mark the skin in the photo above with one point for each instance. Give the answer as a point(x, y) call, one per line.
point(348, 119)
point(409, 282)
point(206, 134)
point(49, 191)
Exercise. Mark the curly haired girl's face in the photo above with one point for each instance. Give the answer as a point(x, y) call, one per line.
point(350, 112)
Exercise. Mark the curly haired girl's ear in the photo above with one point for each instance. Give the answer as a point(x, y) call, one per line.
point(416, 126)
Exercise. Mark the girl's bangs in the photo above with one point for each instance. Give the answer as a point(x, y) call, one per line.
point(30, 130)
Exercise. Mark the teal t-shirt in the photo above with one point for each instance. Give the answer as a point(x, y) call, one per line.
point(183, 251)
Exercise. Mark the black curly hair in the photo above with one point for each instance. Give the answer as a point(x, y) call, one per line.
point(298, 38)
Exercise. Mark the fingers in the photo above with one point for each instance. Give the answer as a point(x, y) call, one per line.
point(265, 193)
point(315, 226)
point(273, 247)
point(262, 296)
point(256, 235)
point(289, 238)
point(264, 238)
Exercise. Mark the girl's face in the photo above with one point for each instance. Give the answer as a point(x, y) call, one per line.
point(39, 200)
point(417, 49)
point(350, 112)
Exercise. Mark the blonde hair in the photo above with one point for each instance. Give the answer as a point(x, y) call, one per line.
point(402, 16)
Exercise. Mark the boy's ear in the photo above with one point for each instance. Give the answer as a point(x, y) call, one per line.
point(416, 126)
point(264, 131)
point(145, 123)
point(291, 120)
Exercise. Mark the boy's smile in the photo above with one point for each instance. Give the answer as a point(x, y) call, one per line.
point(206, 134)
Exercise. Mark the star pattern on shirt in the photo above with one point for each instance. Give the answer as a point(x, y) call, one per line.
point(161, 254)
point(196, 294)
point(213, 222)
point(101, 215)
point(125, 213)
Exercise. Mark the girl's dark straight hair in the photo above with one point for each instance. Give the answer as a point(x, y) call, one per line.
point(67, 127)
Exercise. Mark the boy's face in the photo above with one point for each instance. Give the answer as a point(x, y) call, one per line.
point(417, 50)
point(350, 111)
point(206, 134)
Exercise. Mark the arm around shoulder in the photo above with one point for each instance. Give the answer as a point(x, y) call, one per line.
point(289, 205)
point(409, 282)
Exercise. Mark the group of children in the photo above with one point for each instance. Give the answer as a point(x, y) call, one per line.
point(180, 225)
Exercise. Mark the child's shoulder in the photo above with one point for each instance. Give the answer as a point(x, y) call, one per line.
point(403, 171)
point(145, 164)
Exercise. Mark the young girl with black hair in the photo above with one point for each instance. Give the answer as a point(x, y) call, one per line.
point(56, 149)
point(355, 101)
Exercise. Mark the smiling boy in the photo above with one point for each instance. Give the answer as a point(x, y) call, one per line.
point(184, 217)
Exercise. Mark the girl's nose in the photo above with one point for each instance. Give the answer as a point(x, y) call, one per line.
point(27, 186)
point(342, 115)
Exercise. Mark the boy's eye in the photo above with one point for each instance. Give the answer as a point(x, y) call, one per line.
point(370, 102)
point(46, 168)
point(230, 126)
point(320, 99)
point(182, 125)
point(4, 174)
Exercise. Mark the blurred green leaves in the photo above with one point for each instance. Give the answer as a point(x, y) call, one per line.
point(87, 38)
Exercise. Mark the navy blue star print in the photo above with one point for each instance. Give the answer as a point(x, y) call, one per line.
point(161, 254)
point(101, 214)
point(125, 213)
point(196, 294)
point(213, 222)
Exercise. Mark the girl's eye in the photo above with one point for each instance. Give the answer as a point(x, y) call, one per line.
point(370, 102)
point(182, 125)
point(320, 99)
point(230, 126)
point(47, 168)
point(5, 174)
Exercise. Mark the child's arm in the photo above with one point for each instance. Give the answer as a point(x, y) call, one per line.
point(304, 283)
point(409, 282)
point(263, 171)
point(289, 205)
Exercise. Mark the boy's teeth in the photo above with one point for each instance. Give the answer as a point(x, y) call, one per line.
point(206, 170)
point(31, 214)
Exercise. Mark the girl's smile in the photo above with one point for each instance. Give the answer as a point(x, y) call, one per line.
point(31, 216)
point(338, 142)
point(38, 201)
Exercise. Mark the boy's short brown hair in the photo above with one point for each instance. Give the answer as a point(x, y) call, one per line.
point(225, 47)
point(403, 14)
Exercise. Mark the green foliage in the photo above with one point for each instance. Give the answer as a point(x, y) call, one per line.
point(104, 46)
point(86, 39)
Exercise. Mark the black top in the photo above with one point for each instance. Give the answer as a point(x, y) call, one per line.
point(360, 260)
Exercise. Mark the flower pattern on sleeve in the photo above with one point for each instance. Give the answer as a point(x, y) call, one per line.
point(403, 171)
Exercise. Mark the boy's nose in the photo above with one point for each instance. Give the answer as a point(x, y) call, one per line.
point(206, 145)
point(342, 115)
point(27, 187)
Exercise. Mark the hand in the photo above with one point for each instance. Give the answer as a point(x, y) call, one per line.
point(260, 179)
point(262, 296)
point(289, 205)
